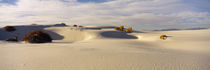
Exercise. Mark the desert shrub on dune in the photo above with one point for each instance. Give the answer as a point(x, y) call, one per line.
point(74, 25)
point(64, 24)
point(121, 28)
point(61, 24)
point(37, 36)
point(9, 28)
point(80, 26)
point(129, 30)
point(117, 28)
point(33, 24)
point(164, 37)
point(15, 39)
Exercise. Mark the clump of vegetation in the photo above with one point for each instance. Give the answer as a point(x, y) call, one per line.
point(117, 28)
point(15, 39)
point(80, 26)
point(64, 24)
point(61, 24)
point(163, 37)
point(9, 28)
point(37, 36)
point(33, 24)
point(129, 30)
point(74, 25)
point(121, 28)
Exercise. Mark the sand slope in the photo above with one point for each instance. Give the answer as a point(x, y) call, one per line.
point(107, 49)
point(69, 34)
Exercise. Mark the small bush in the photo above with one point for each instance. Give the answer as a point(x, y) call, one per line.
point(74, 25)
point(9, 28)
point(129, 30)
point(33, 24)
point(121, 28)
point(80, 26)
point(61, 24)
point(117, 28)
point(37, 36)
point(64, 24)
point(15, 39)
point(164, 37)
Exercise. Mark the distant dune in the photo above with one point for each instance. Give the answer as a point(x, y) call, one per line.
point(181, 29)
point(103, 48)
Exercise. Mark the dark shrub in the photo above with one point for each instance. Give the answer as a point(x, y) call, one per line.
point(34, 24)
point(37, 36)
point(64, 24)
point(164, 37)
point(15, 39)
point(117, 28)
point(74, 25)
point(9, 28)
point(80, 26)
point(61, 24)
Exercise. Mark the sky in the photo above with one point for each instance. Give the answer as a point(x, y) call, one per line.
point(139, 14)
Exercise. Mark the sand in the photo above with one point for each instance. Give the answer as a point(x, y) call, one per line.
point(107, 49)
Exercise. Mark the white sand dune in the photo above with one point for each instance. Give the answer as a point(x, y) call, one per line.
point(69, 34)
point(107, 49)
point(21, 31)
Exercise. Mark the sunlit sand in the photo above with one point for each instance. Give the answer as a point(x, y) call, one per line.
point(89, 48)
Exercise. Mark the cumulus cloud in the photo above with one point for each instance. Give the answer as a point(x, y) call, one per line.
point(137, 13)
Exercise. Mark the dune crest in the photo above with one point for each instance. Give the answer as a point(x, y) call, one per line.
point(69, 34)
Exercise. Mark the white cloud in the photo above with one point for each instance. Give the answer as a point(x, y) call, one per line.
point(154, 13)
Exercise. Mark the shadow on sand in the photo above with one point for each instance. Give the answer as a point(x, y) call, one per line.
point(54, 35)
point(23, 30)
point(117, 34)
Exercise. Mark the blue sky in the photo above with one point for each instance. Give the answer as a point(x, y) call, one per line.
point(140, 14)
point(12, 2)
